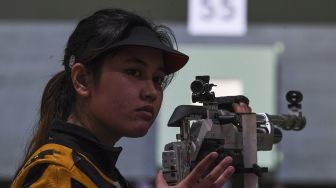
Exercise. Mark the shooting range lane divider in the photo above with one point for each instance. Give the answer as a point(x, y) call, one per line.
point(249, 124)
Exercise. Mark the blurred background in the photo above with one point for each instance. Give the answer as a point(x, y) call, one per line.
point(264, 49)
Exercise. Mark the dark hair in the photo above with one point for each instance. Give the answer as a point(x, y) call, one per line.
point(89, 43)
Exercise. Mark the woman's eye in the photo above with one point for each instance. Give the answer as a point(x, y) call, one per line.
point(159, 80)
point(133, 72)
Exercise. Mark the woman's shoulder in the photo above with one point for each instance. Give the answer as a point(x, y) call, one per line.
point(51, 153)
point(55, 165)
point(45, 167)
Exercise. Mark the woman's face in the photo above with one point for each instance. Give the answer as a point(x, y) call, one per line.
point(127, 96)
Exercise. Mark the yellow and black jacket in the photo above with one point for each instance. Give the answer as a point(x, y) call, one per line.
point(74, 158)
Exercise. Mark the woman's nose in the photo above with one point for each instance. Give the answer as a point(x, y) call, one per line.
point(149, 92)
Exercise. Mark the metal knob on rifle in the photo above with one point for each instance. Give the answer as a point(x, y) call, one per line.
point(294, 98)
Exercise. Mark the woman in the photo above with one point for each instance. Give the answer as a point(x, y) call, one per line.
point(116, 67)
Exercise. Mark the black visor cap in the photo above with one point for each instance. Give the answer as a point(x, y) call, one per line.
point(142, 36)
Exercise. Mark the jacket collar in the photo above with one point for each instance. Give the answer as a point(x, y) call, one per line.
point(80, 139)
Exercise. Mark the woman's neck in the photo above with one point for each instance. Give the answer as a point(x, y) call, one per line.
point(99, 131)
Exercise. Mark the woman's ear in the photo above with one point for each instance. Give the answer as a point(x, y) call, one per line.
point(80, 79)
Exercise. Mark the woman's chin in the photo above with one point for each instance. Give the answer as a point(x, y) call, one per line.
point(139, 131)
point(137, 134)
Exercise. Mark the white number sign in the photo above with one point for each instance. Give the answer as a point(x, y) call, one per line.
point(217, 17)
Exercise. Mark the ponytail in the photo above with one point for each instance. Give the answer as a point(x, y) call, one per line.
point(57, 102)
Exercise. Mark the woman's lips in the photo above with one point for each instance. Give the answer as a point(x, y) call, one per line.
point(146, 112)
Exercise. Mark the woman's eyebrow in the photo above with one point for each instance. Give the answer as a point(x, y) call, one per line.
point(143, 63)
point(137, 61)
